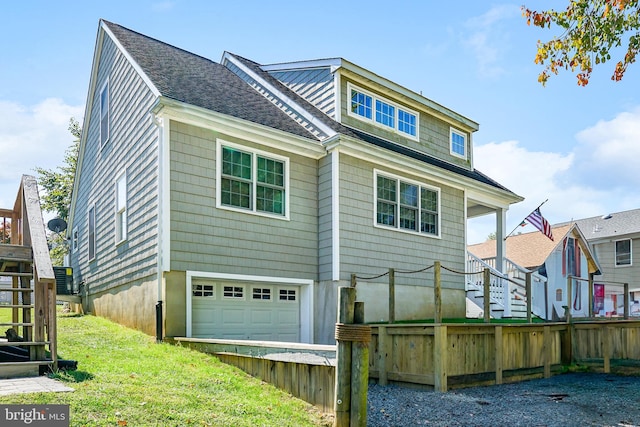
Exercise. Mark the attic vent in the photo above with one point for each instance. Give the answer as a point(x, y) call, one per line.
point(608, 216)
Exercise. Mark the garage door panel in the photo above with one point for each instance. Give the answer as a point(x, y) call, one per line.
point(259, 312)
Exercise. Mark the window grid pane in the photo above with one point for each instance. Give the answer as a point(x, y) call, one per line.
point(408, 218)
point(429, 212)
point(406, 122)
point(385, 114)
point(269, 200)
point(236, 193)
point(457, 143)
point(361, 104)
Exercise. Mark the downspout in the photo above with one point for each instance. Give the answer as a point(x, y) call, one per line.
point(160, 126)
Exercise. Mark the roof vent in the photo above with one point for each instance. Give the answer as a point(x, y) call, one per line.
point(608, 216)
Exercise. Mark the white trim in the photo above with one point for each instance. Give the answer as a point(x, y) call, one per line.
point(164, 232)
point(123, 228)
point(373, 121)
point(303, 65)
point(615, 253)
point(420, 186)
point(335, 215)
point(90, 207)
point(239, 128)
point(458, 132)
point(105, 85)
point(305, 297)
point(337, 97)
point(254, 153)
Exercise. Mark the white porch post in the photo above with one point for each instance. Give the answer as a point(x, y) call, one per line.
point(501, 251)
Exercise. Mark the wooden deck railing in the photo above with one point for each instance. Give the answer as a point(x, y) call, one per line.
point(27, 230)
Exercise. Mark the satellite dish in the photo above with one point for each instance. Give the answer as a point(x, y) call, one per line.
point(57, 225)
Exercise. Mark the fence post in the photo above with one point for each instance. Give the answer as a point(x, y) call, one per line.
point(354, 280)
point(392, 295)
point(486, 297)
point(359, 370)
point(626, 301)
point(440, 357)
point(547, 350)
point(591, 295)
point(506, 293)
point(606, 349)
point(342, 403)
point(569, 283)
point(437, 292)
point(498, 353)
point(527, 286)
point(382, 354)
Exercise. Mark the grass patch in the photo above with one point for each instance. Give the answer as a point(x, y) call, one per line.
point(125, 379)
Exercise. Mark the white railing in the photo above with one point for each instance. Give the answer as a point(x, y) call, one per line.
point(518, 274)
point(499, 287)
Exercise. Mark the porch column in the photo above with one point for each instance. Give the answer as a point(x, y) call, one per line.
point(501, 251)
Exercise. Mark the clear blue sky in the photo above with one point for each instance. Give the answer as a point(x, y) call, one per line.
point(578, 147)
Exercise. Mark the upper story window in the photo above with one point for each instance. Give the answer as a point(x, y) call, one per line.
point(104, 114)
point(389, 115)
point(252, 181)
point(623, 252)
point(406, 205)
point(91, 221)
point(458, 143)
point(121, 208)
point(74, 240)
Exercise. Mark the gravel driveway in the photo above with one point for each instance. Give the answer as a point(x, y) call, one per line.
point(580, 399)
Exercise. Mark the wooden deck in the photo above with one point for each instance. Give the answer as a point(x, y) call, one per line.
point(27, 288)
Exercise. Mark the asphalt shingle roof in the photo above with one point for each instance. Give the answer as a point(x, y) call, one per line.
point(195, 80)
point(611, 225)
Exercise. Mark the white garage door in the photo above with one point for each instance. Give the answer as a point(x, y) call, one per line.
point(231, 310)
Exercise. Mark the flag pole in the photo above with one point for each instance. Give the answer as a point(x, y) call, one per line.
point(525, 219)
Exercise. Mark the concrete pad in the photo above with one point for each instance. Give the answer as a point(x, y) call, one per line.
point(31, 385)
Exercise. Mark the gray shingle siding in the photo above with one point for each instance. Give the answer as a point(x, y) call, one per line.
point(132, 146)
point(368, 250)
point(314, 85)
point(206, 238)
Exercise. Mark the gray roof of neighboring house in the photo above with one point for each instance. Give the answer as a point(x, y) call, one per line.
point(613, 225)
point(195, 80)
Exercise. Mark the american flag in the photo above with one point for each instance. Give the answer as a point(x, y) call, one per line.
point(536, 219)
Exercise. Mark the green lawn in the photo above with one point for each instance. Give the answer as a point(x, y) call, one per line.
point(125, 379)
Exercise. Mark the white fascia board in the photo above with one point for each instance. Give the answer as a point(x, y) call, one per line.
point(239, 128)
point(304, 65)
point(299, 109)
point(365, 77)
point(380, 156)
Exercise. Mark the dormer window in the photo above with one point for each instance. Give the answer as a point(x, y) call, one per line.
point(458, 143)
point(387, 115)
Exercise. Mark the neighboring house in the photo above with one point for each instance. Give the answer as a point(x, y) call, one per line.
point(615, 241)
point(554, 260)
point(232, 199)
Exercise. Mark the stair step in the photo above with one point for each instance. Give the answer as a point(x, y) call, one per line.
point(27, 363)
point(20, 343)
point(15, 274)
point(17, 324)
point(9, 289)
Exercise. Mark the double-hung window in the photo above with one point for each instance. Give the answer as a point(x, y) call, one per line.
point(382, 112)
point(104, 114)
point(91, 220)
point(406, 205)
point(252, 181)
point(458, 143)
point(121, 208)
point(623, 252)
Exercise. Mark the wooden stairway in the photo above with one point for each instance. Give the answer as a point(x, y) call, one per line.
point(27, 289)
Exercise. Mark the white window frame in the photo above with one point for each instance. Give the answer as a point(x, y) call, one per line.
point(91, 234)
point(105, 115)
point(421, 186)
point(195, 283)
point(254, 153)
point(233, 297)
point(121, 217)
point(615, 253)
point(397, 107)
point(74, 240)
point(271, 294)
point(287, 290)
point(453, 131)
